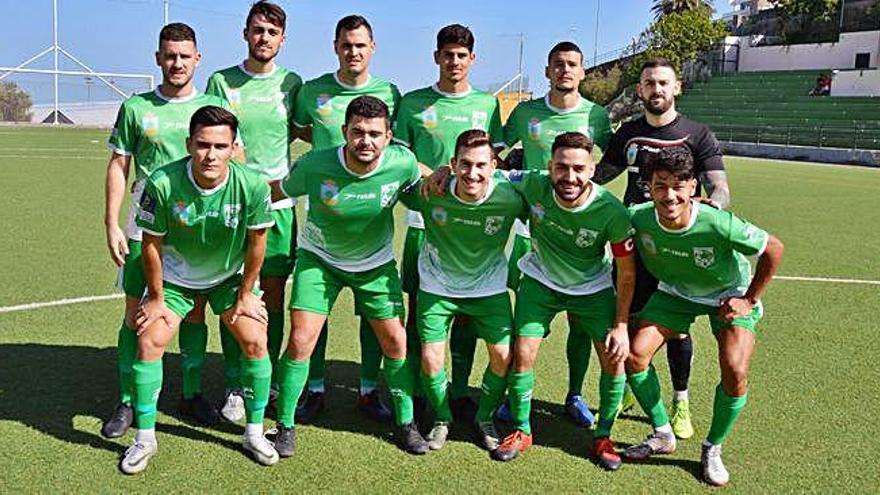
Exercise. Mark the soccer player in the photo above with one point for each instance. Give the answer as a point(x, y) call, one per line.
point(261, 94)
point(463, 271)
point(635, 141)
point(319, 113)
point(204, 224)
point(698, 254)
point(151, 129)
point(572, 222)
point(535, 124)
point(346, 241)
point(429, 121)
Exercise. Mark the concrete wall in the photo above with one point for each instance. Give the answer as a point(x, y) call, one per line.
point(857, 83)
point(869, 158)
point(840, 55)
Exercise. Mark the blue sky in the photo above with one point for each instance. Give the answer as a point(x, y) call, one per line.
point(120, 35)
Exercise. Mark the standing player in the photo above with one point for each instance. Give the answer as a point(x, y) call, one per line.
point(463, 272)
point(631, 146)
point(261, 94)
point(572, 222)
point(429, 121)
point(535, 124)
point(319, 113)
point(346, 241)
point(151, 129)
point(204, 221)
point(698, 253)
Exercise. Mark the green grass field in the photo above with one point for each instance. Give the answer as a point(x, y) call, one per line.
point(810, 425)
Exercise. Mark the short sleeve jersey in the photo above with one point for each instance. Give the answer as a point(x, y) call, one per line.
point(705, 262)
point(204, 230)
point(263, 104)
point(152, 129)
point(635, 140)
point(463, 254)
point(536, 123)
point(350, 222)
point(570, 246)
point(321, 103)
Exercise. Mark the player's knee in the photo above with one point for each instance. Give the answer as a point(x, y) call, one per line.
point(151, 346)
point(499, 360)
point(432, 360)
point(524, 357)
point(735, 380)
point(637, 361)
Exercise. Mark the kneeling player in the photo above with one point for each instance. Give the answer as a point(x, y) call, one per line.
point(463, 272)
point(698, 254)
point(346, 242)
point(204, 222)
point(568, 269)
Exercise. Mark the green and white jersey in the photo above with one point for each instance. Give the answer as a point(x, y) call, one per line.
point(321, 103)
point(536, 123)
point(429, 121)
point(152, 129)
point(263, 104)
point(350, 221)
point(571, 250)
point(204, 230)
point(463, 254)
point(705, 262)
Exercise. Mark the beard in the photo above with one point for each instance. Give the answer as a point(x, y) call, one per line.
point(261, 58)
point(657, 109)
point(560, 189)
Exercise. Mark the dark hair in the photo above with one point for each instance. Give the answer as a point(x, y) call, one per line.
point(177, 31)
point(455, 34)
point(564, 46)
point(473, 138)
point(273, 13)
point(656, 62)
point(368, 107)
point(574, 140)
point(209, 116)
point(677, 160)
point(352, 22)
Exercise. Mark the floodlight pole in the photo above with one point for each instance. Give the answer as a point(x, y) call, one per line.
point(596, 34)
point(55, 57)
point(164, 13)
point(520, 82)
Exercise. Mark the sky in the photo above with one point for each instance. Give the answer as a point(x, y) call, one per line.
point(121, 36)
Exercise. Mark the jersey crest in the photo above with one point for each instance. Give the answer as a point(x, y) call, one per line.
point(535, 129)
point(429, 117)
point(585, 238)
point(234, 97)
point(537, 210)
point(388, 194)
point(439, 216)
point(231, 214)
point(479, 120)
point(632, 151)
point(184, 214)
point(324, 103)
point(329, 193)
point(648, 243)
point(150, 123)
point(493, 225)
point(704, 257)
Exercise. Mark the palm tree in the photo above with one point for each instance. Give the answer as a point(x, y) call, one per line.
point(666, 7)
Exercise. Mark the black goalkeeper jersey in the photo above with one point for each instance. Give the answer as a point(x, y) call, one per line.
point(629, 146)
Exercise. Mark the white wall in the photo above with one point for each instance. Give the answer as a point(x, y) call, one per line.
point(856, 83)
point(840, 55)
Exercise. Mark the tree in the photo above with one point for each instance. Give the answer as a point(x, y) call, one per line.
point(663, 8)
point(602, 86)
point(802, 20)
point(15, 103)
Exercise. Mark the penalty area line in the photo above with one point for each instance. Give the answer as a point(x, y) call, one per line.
point(107, 297)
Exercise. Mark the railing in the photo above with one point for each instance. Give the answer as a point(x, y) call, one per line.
point(856, 137)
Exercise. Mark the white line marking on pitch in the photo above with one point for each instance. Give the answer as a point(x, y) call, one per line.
point(107, 297)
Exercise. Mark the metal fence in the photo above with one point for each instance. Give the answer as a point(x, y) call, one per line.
point(857, 137)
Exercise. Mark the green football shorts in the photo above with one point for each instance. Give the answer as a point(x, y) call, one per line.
point(280, 244)
point(490, 316)
point(678, 314)
point(537, 305)
point(409, 266)
point(316, 285)
point(182, 300)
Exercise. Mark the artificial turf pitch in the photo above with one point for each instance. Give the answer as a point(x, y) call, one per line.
point(810, 425)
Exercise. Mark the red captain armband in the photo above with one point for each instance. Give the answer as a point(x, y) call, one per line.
point(623, 249)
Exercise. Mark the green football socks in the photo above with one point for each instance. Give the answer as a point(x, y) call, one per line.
point(725, 412)
point(126, 353)
point(293, 376)
point(147, 385)
point(436, 389)
point(646, 387)
point(522, 386)
point(256, 375)
point(400, 379)
point(491, 394)
point(610, 394)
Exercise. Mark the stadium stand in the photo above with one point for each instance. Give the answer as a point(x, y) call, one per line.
point(774, 107)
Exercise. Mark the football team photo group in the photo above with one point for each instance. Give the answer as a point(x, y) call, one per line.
point(508, 224)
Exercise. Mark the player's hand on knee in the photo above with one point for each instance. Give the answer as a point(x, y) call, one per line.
point(250, 305)
point(151, 311)
point(617, 343)
point(735, 307)
point(117, 244)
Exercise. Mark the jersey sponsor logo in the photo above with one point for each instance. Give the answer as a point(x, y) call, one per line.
point(704, 257)
point(493, 225)
point(648, 243)
point(429, 117)
point(585, 238)
point(329, 192)
point(534, 129)
point(537, 211)
point(231, 214)
point(479, 120)
point(150, 123)
point(439, 216)
point(234, 97)
point(388, 194)
point(324, 103)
